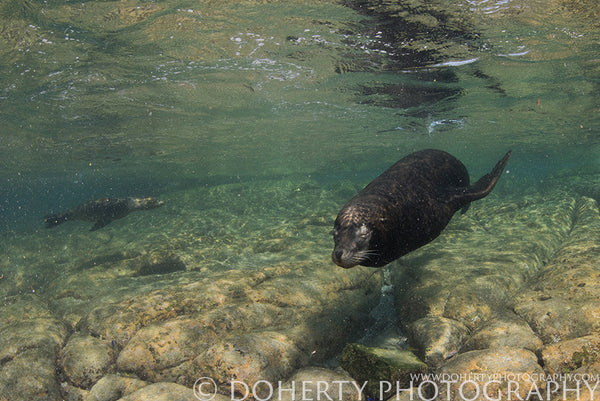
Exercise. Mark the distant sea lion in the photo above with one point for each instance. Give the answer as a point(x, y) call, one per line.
point(103, 211)
point(406, 207)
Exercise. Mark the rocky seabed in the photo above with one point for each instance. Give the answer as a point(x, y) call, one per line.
point(505, 299)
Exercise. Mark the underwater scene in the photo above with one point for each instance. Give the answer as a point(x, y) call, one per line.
point(172, 174)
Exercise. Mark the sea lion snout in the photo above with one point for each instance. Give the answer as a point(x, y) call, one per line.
point(156, 202)
point(343, 257)
point(352, 245)
point(338, 258)
point(147, 203)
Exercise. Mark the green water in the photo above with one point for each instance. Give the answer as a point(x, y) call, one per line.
point(255, 121)
point(98, 93)
point(148, 98)
point(155, 98)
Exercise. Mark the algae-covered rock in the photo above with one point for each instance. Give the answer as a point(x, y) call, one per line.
point(569, 355)
point(30, 376)
point(112, 387)
point(506, 330)
point(437, 338)
point(157, 348)
point(85, 359)
point(564, 301)
point(73, 393)
point(490, 374)
point(253, 357)
point(28, 353)
point(48, 334)
point(379, 365)
point(22, 308)
point(559, 307)
point(248, 325)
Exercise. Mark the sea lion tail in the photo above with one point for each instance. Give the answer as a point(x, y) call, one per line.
point(52, 220)
point(486, 183)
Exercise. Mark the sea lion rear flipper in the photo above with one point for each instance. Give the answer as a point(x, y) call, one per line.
point(461, 197)
point(99, 224)
point(486, 183)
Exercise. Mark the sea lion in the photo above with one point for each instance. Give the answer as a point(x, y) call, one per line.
point(406, 207)
point(102, 211)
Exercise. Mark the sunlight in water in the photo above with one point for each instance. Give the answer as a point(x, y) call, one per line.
point(251, 123)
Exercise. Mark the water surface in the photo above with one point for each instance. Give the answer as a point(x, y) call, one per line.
point(226, 89)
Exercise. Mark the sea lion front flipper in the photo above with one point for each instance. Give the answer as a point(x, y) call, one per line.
point(100, 223)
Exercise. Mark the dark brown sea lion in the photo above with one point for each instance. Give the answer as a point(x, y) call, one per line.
point(103, 211)
point(406, 207)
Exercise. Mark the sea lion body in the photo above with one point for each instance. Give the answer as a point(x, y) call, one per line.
point(102, 211)
point(406, 207)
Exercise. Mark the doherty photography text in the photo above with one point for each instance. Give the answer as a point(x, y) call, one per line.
point(426, 387)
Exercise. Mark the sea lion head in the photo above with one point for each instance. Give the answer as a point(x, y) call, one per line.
point(145, 203)
point(355, 240)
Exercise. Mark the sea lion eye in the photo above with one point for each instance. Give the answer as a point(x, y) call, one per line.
point(363, 232)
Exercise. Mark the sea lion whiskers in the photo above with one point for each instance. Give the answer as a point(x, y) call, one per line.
point(350, 259)
point(361, 256)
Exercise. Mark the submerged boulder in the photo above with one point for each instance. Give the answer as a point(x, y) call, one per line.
point(31, 341)
point(497, 373)
point(85, 359)
point(376, 367)
point(112, 387)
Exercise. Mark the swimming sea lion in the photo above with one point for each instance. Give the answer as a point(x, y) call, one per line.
point(103, 211)
point(406, 207)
